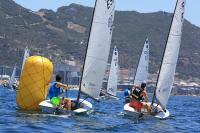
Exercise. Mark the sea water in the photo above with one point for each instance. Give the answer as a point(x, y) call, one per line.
point(107, 117)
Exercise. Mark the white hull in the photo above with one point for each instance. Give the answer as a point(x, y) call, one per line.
point(109, 97)
point(6, 85)
point(106, 96)
point(47, 107)
point(130, 111)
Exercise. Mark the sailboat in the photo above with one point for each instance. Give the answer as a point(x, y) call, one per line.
point(96, 57)
point(167, 70)
point(142, 69)
point(26, 55)
point(12, 83)
point(141, 73)
point(111, 90)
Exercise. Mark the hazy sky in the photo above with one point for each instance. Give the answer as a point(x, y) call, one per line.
point(192, 6)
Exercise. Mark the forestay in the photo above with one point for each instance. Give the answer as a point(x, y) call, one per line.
point(113, 76)
point(98, 48)
point(142, 69)
point(167, 71)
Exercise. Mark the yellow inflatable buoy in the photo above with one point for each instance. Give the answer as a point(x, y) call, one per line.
point(34, 82)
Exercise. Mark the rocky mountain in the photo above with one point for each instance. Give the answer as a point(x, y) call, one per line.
point(63, 34)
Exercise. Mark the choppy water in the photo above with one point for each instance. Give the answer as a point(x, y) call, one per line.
point(107, 117)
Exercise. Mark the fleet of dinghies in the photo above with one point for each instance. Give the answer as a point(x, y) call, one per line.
point(167, 70)
point(96, 59)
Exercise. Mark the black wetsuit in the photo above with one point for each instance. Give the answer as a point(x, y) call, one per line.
point(136, 93)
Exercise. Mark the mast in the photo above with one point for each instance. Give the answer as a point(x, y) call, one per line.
point(80, 84)
point(170, 56)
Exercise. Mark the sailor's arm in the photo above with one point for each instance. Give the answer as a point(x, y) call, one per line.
point(144, 93)
point(63, 86)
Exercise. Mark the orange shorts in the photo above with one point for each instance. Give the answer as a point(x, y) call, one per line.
point(135, 104)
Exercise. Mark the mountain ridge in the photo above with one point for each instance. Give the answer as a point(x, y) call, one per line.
point(63, 34)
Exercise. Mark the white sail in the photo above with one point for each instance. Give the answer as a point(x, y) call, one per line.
point(26, 55)
point(113, 76)
point(142, 69)
point(167, 71)
point(12, 78)
point(98, 48)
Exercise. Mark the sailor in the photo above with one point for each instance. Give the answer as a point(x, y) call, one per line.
point(56, 88)
point(102, 93)
point(127, 95)
point(139, 98)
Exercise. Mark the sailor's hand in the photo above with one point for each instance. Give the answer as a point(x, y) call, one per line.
point(152, 108)
point(73, 86)
point(63, 91)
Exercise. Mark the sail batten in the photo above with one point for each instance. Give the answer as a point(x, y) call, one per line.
point(103, 60)
point(98, 48)
point(113, 75)
point(168, 66)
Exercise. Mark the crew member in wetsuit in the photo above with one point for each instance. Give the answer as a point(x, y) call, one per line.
point(139, 95)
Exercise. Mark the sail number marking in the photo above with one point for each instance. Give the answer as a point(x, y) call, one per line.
point(146, 53)
point(109, 3)
point(182, 6)
point(110, 23)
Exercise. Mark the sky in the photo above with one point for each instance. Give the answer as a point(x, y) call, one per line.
point(192, 6)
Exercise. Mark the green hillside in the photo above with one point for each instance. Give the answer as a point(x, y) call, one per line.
point(64, 33)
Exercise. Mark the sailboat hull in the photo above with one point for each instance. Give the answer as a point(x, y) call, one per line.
point(130, 111)
point(107, 97)
point(47, 107)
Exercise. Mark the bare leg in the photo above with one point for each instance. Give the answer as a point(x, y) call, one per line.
point(147, 108)
point(69, 104)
